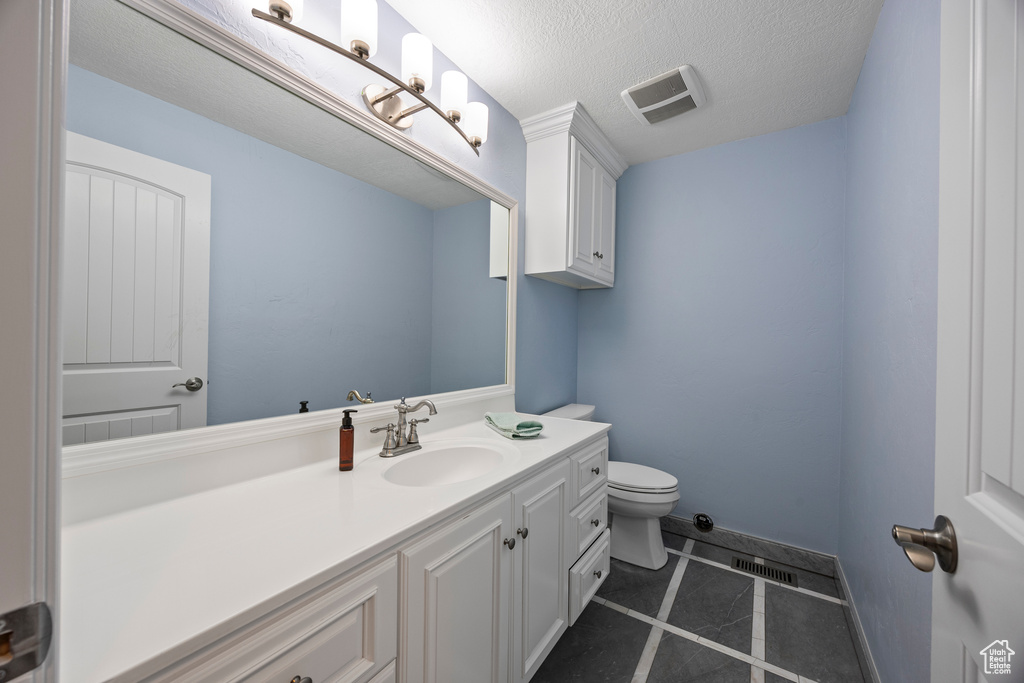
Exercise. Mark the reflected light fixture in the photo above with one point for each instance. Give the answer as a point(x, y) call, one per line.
point(359, 33)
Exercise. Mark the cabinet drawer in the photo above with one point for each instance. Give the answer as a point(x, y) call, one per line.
point(587, 575)
point(589, 471)
point(345, 633)
point(588, 521)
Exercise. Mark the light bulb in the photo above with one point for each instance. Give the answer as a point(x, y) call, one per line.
point(359, 26)
point(417, 61)
point(453, 94)
point(474, 123)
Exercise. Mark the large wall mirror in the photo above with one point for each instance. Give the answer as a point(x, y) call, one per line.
point(220, 229)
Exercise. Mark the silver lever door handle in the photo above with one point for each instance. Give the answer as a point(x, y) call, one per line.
point(192, 384)
point(923, 546)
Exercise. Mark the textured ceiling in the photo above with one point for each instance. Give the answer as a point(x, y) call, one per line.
point(766, 65)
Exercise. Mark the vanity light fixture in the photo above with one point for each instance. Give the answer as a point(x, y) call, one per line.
point(359, 32)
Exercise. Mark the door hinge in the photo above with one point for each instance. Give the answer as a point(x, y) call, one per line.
point(25, 636)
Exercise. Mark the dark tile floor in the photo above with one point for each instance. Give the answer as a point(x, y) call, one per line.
point(697, 619)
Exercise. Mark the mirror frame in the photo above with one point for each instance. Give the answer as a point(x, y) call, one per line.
point(92, 458)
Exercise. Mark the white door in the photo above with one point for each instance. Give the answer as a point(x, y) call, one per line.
point(457, 584)
point(31, 50)
point(604, 225)
point(978, 611)
point(136, 293)
point(585, 174)
point(541, 597)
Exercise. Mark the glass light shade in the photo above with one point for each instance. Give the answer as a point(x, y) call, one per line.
point(417, 59)
point(296, 9)
point(454, 87)
point(474, 121)
point(359, 23)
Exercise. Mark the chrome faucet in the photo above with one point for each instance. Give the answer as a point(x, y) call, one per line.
point(411, 438)
point(397, 441)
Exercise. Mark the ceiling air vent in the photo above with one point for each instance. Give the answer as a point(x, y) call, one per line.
point(665, 96)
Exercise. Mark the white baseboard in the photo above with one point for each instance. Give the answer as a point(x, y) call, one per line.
point(858, 627)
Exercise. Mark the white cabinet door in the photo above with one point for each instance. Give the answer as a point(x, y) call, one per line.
point(540, 601)
point(584, 173)
point(605, 227)
point(457, 585)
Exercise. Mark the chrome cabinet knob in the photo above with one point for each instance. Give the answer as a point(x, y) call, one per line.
point(596, 522)
point(599, 255)
point(524, 532)
point(511, 543)
point(595, 470)
point(923, 546)
point(302, 679)
point(598, 573)
point(192, 384)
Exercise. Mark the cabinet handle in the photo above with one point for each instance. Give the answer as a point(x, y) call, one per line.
point(599, 255)
point(596, 522)
point(511, 543)
point(597, 574)
point(595, 470)
point(302, 679)
point(524, 532)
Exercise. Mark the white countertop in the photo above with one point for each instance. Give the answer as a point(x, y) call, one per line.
point(167, 578)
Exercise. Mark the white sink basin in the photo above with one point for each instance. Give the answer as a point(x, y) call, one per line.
point(448, 463)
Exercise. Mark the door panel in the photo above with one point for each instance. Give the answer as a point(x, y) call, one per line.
point(541, 607)
point(457, 584)
point(136, 287)
point(584, 174)
point(606, 216)
point(979, 480)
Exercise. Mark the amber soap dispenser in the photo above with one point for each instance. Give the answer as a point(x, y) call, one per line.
point(347, 441)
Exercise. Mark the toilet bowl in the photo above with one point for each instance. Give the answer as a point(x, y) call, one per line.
point(638, 496)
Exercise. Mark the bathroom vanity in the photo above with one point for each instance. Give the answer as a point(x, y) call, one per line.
point(338, 576)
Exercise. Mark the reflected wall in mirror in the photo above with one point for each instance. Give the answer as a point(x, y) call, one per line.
point(335, 262)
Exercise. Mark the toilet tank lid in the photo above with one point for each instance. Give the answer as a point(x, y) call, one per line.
point(633, 476)
point(573, 411)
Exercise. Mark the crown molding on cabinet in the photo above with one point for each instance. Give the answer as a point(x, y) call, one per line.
point(574, 118)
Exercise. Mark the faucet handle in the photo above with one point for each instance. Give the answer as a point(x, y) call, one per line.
point(390, 442)
point(413, 436)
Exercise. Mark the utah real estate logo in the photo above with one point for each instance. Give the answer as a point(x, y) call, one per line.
point(997, 657)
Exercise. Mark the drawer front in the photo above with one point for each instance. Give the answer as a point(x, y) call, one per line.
point(587, 575)
point(589, 470)
point(588, 521)
point(345, 633)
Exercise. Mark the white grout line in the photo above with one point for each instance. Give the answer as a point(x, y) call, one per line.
point(757, 634)
point(726, 567)
point(643, 667)
point(756, 674)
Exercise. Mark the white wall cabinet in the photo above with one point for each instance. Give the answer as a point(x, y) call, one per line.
point(571, 171)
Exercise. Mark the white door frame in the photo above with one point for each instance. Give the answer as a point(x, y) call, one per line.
point(32, 43)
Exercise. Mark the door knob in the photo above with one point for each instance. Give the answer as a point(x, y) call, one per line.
point(923, 546)
point(192, 384)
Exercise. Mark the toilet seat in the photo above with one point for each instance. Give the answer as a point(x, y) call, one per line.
point(629, 477)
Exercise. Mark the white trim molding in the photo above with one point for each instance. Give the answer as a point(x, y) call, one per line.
point(574, 118)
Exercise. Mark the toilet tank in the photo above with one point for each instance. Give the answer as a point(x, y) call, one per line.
point(573, 411)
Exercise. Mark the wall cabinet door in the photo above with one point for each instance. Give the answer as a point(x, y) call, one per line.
point(457, 585)
point(540, 600)
point(585, 174)
point(605, 227)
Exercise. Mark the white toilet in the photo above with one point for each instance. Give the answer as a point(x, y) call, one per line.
point(638, 496)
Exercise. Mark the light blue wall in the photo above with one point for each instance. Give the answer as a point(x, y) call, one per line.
point(546, 348)
point(468, 340)
point(289, 263)
point(717, 354)
point(887, 464)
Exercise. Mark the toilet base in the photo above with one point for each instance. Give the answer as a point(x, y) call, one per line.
point(637, 540)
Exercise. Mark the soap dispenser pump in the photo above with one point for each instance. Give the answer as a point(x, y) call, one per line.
point(347, 441)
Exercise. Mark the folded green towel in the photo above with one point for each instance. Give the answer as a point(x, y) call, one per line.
point(511, 426)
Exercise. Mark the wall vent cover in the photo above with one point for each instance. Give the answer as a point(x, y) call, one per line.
point(665, 96)
point(780, 575)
